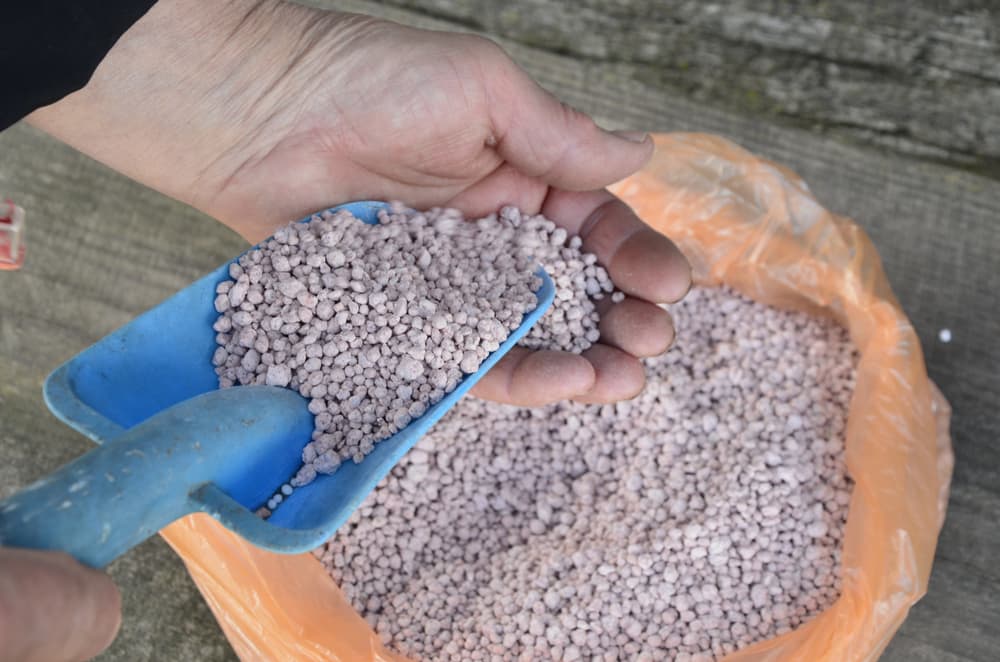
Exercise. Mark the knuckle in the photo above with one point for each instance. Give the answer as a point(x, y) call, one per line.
point(487, 51)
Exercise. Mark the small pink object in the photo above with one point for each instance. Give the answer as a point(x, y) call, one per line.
point(11, 236)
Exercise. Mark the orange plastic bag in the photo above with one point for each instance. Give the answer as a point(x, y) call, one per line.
point(754, 226)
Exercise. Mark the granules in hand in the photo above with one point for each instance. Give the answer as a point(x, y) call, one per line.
point(376, 323)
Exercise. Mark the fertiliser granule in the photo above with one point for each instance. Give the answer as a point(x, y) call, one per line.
point(702, 516)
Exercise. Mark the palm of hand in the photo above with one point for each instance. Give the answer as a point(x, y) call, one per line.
point(435, 119)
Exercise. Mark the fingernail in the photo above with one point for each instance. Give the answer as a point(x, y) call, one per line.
point(633, 136)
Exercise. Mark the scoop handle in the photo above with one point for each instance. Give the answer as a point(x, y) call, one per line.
point(109, 500)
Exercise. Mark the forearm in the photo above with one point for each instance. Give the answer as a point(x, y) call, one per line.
point(171, 103)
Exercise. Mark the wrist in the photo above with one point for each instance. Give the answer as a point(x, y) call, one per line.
point(173, 102)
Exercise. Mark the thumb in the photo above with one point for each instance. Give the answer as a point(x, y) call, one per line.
point(52, 608)
point(544, 138)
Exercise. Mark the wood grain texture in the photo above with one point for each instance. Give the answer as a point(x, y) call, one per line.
point(102, 249)
point(920, 78)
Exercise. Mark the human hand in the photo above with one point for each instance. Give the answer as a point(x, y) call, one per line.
point(261, 113)
point(52, 609)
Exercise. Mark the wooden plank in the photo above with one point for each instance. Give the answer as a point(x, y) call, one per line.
point(915, 651)
point(102, 249)
point(958, 618)
point(917, 77)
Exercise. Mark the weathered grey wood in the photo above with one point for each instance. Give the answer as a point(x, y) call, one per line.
point(102, 249)
point(919, 77)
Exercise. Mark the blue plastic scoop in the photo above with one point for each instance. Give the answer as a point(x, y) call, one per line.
point(174, 444)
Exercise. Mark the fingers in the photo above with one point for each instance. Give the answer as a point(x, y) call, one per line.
point(642, 262)
point(619, 375)
point(637, 327)
point(544, 138)
point(53, 608)
point(530, 379)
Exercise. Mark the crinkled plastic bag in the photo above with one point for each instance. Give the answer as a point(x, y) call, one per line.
point(754, 226)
